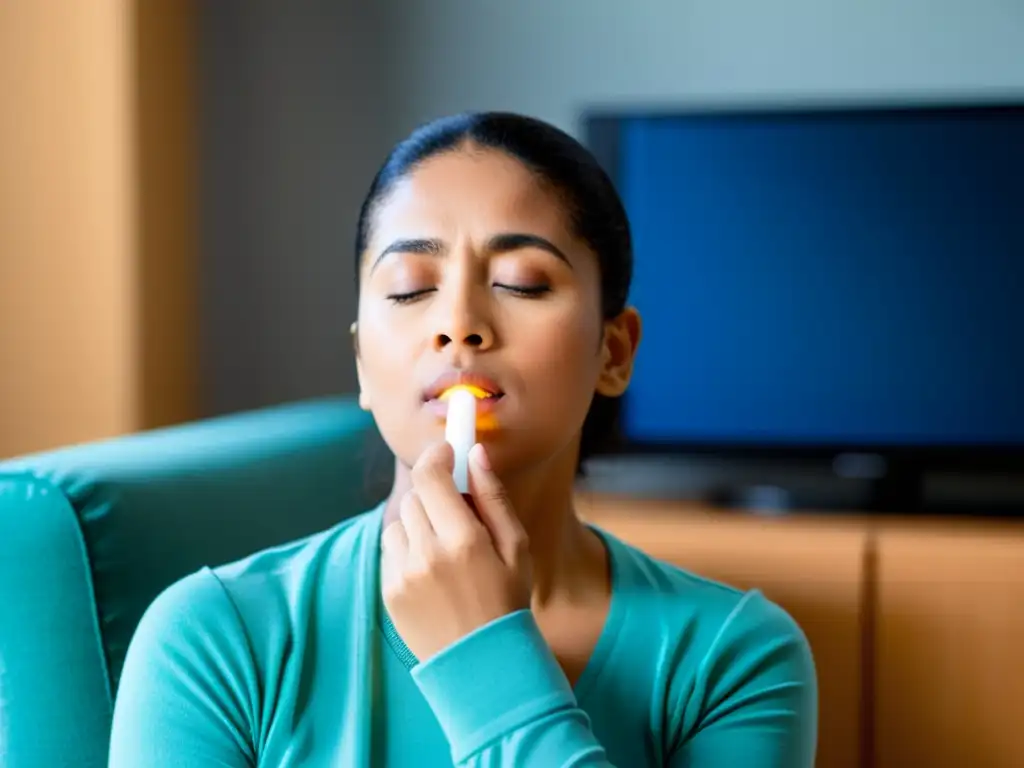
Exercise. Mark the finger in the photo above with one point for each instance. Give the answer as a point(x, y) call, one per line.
point(494, 508)
point(394, 545)
point(449, 514)
point(414, 518)
point(394, 541)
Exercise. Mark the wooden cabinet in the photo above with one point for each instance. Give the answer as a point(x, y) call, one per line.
point(813, 568)
point(949, 647)
point(917, 626)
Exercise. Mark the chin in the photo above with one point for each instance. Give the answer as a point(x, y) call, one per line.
point(511, 456)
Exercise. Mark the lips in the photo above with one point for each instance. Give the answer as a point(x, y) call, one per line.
point(487, 391)
point(477, 392)
point(483, 387)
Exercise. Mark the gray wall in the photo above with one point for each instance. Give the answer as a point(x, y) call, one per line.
point(554, 58)
point(301, 100)
point(290, 136)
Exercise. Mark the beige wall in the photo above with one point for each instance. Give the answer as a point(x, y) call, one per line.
point(75, 193)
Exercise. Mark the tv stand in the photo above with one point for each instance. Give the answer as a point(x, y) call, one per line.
point(900, 488)
point(860, 482)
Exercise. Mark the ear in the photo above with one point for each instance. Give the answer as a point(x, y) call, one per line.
point(618, 350)
point(364, 397)
point(364, 400)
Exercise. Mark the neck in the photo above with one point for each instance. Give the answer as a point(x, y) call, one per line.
point(566, 555)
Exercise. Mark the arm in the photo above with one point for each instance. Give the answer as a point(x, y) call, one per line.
point(456, 584)
point(760, 695)
point(504, 702)
point(185, 695)
point(759, 703)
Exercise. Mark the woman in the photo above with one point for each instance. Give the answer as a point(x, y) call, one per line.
point(498, 630)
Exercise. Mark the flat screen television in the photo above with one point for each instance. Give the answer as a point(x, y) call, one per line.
point(826, 280)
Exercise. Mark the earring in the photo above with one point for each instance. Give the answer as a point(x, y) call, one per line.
point(352, 328)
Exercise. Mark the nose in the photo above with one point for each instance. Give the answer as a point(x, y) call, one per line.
point(463, 321)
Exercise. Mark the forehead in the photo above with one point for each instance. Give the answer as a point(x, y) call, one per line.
point(470, 191)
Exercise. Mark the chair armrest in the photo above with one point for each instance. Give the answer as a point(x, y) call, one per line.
point(55, 702)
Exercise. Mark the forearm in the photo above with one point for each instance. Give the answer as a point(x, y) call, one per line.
point(503, 701)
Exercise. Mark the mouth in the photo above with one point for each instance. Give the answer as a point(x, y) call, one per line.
point(477, 392)
point(486, 391)
point(481, 387)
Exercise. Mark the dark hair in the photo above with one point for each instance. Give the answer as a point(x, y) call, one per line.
point(595, 211)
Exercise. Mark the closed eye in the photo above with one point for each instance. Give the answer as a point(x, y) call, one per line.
point(526, 291)
point(406, 298)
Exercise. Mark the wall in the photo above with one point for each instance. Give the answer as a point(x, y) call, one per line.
point(299, 107)
point(96, 220)
point(65, 224)
point(552, 59)
point(290, 137)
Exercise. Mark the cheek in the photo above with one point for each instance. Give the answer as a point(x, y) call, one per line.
point(573, 328)
point(559, 362)
point(387, 359)
point(564, 347)
point(386, 352)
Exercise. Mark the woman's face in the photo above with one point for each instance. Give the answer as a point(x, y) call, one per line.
point(472, 271)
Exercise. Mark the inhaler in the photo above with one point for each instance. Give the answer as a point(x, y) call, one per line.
point(460, 432)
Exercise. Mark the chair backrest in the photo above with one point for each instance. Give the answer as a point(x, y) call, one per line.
point(91, 534)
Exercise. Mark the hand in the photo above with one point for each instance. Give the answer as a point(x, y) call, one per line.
point(446, 569)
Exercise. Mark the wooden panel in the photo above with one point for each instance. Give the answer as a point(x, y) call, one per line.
point(66, 225)
point(950, 648)
point(813, 568)
point(166, 51)
point(97, 219)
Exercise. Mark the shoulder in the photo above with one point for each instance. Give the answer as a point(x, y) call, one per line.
point(222, 647)
point(233, 601)
point(720, 609)
point(279, 570)
point(723, 648)
point(189, 608)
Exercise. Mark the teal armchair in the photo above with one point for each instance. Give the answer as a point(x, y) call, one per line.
point(91, 534)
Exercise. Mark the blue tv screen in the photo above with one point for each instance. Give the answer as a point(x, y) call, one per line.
point(835, 277)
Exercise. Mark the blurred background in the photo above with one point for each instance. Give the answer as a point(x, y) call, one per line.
point(181, 179)
point(828, 204)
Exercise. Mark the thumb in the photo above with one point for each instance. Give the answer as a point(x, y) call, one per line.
point(494, 508)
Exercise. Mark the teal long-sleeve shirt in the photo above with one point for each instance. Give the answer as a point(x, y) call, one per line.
point(288, 658)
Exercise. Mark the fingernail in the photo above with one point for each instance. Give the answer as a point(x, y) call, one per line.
point(480, 457)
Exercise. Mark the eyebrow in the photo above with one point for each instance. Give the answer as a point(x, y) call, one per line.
point(416, 245)
point(513, 241)
point(502, 243)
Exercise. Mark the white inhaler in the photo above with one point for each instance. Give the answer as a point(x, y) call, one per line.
point(460, 433)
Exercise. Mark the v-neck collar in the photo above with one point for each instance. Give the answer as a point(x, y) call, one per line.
point(606, 641)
